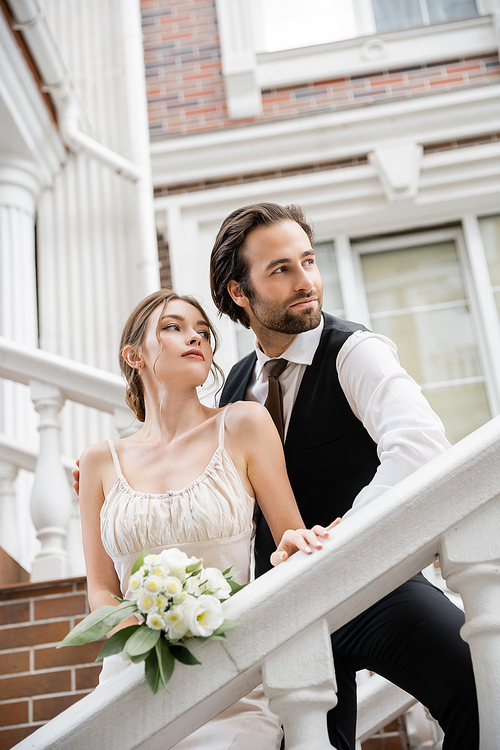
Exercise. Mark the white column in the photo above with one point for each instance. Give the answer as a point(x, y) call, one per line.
point(51, 498)
point(18, 318)
point(148, 278)
point(9, 530)
point(19, 189)
point(470, 561)
point(299, 681)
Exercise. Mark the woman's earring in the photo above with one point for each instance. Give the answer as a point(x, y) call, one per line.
point(139, 370)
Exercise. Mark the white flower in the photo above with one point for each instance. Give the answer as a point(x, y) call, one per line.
point(181, 597)
point(153, 584)
point(155, 621)
point(175, 624)
point(151, 560)
point(203, 615)
point(145, 601)
point(174, 559)
point(192, 586)
point(135, 581)
point(158, 570)
point(172, 586)
point(214, 581)
point(160, 602)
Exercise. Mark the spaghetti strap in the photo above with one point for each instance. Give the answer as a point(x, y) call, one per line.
point(114, 455)
point(222, 426)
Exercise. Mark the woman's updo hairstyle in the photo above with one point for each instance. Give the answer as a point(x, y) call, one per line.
point(133, 334)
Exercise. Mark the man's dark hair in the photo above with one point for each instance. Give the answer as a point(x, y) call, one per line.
point(228, 260)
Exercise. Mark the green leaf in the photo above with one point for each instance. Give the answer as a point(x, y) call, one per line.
point(195, 567)
point(235, 587)
point(166, 661)
point(136, 659)
point(98, 623)
point(152, 672)
point(139, 562)
point(184, 655)
point(226, 625)
point(115, 644)
point(226, 572)
point(141, 641)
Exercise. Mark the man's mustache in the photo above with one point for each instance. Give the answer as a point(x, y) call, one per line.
point(304, 295)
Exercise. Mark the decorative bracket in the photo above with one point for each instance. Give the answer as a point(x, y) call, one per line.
point(398, 169)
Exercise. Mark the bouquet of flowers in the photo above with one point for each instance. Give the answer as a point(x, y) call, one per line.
point(175, 598)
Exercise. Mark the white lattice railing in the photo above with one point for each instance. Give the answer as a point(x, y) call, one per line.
point(54, 511)
point(451, 506)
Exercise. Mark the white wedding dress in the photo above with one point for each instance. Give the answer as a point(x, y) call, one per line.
point(210, 518)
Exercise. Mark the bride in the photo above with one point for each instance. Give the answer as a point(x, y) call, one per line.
point(189, 478)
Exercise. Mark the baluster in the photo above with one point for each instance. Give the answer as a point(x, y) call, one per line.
point(51, 499)
point(423, 728)
point(299, 681)
point(74, 544)
point(470, 561)
point(125, 422)
point(9, 528)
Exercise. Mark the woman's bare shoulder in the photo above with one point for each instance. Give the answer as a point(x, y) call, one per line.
point(243, 415)
point(96, 455)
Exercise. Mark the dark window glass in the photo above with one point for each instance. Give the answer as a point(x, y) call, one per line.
point(402, 14)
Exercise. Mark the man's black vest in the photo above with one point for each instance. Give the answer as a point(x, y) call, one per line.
point(329, 455)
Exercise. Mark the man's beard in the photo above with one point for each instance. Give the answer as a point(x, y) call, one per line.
point(277, 317)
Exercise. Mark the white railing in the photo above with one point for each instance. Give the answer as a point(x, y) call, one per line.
point(54, 507)
point(451, 509)
point(54, 380)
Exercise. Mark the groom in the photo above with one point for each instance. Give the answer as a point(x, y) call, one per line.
point(354, 423)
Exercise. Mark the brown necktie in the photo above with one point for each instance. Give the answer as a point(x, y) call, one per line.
point(274, 400)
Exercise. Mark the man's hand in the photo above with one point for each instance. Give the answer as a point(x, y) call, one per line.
point(76, 477)
point(301, 539)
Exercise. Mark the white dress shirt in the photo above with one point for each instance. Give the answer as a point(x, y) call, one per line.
point(381, 394)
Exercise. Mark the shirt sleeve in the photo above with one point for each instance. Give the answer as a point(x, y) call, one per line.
point(391, 407)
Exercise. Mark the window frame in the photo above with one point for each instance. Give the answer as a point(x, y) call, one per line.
point(478, 288)
point(248, 72)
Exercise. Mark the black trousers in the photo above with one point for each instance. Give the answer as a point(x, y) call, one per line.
point(412, 638)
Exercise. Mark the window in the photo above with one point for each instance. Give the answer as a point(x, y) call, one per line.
point(327, 264)
point(417, 296)
point(299, 24)
point(419, 292)
point(490, 232)
point(402, 14)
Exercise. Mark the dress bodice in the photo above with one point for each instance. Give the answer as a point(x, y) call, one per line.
point(210, 517)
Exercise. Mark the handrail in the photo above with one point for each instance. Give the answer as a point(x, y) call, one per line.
point(52, 380)
point(77, 381)
point(356, 567)
point(15, 453)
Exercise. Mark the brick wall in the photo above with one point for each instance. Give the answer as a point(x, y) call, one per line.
point(37, 681)
point(186, 89)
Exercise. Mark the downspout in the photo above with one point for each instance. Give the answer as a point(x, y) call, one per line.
point(76, 140)
point(30, 21)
